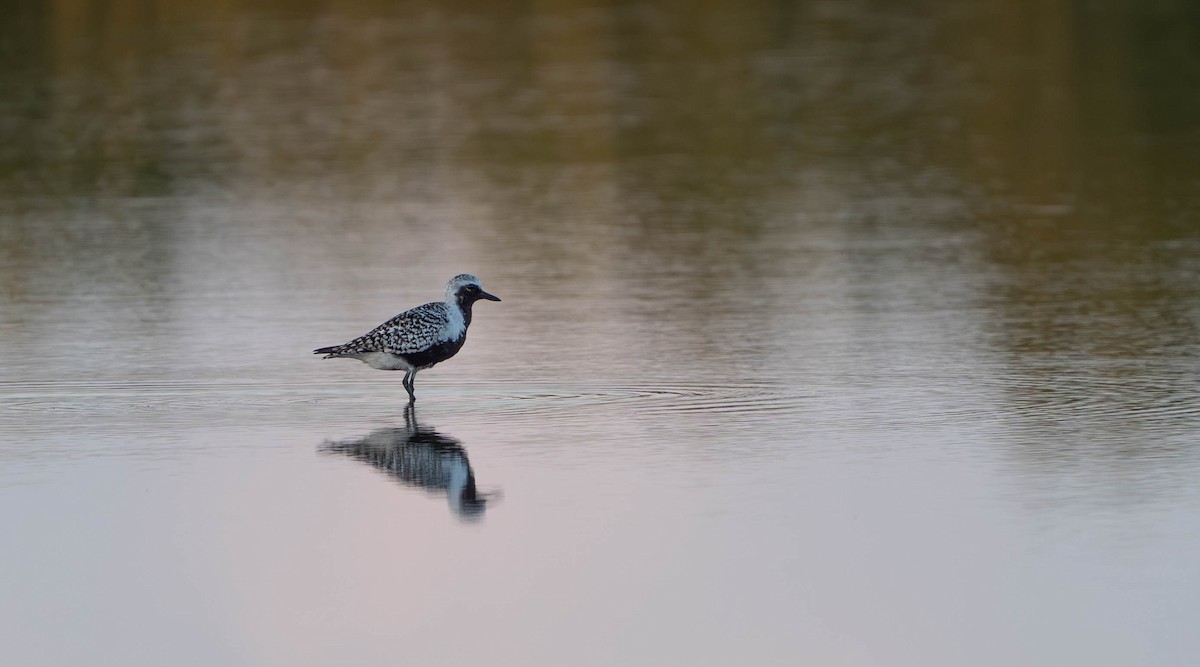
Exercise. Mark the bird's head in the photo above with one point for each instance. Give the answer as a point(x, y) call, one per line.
point(467, 289)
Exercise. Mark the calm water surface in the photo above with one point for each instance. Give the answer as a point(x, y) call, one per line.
point(857, 333)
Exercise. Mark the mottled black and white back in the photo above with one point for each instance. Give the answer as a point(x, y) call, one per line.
point(419, 338)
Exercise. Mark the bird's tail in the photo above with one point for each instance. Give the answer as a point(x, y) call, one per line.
point(329, 351)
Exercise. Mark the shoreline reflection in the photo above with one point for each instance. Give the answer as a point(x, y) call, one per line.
point(419, 456)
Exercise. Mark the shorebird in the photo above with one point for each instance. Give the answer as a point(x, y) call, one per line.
point(419, 338)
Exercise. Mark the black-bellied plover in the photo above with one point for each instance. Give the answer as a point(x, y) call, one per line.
point(419, 338)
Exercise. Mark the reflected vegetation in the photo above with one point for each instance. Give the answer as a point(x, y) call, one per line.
point(420, 457)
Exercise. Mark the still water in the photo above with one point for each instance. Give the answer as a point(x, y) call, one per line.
point(832, 333)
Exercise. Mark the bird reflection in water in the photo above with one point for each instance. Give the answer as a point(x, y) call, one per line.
point(420, 457)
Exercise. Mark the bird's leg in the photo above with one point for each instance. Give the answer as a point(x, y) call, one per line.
point(408, 385)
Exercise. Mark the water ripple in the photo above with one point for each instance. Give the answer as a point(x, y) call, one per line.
point(661, 399)
point(1016, 401)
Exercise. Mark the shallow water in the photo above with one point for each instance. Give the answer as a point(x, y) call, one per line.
point(850, 333)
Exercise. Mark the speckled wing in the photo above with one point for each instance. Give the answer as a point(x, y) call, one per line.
point(409, 332)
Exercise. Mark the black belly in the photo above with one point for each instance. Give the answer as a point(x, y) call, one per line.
point(436, 354)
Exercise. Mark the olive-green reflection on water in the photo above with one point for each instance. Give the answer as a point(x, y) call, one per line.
point(1033, 100)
